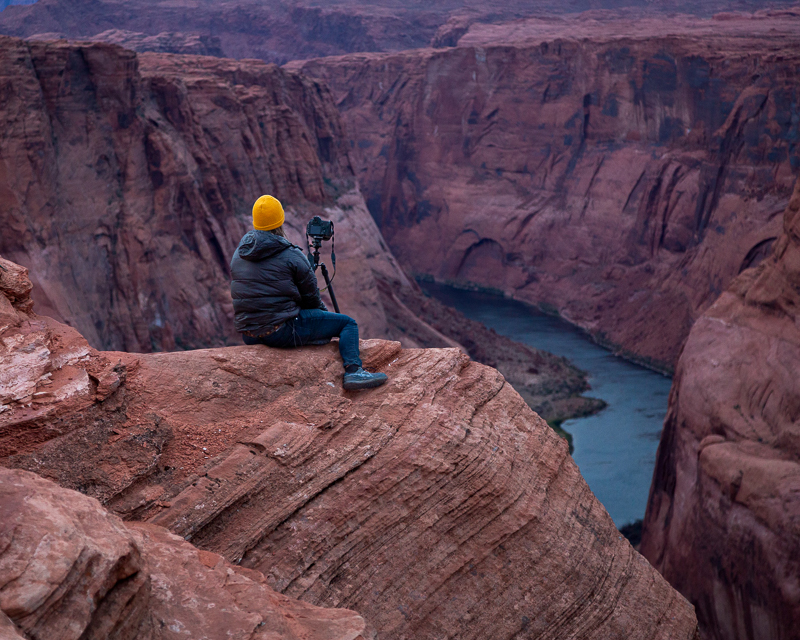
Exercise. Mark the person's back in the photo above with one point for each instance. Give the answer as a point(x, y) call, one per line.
point(276, 300)
point(271, 282)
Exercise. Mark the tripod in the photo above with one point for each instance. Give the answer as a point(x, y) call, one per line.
point(315, 262)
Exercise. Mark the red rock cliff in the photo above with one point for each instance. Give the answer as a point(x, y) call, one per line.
point(620, 172)
point(126, 182)
point(723, 520)
point(438, 506)
point(282, 30)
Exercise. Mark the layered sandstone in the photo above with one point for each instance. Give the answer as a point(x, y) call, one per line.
point(723, 520)
point(438, 505)
point(69, 570)
point(273, 31)
point(620, 173)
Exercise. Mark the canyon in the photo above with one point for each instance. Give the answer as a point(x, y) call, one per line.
point(126, 182)
point(724, 498)
point(634, 176)
point(408, 504)
point(617, 172)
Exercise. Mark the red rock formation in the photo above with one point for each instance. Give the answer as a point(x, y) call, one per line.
point(723, 520)
point(282, 30)
point(619, 172)
point(272, 31)
point(164, 42)
point(71, 570)
point(437, 506)
point(127, 182)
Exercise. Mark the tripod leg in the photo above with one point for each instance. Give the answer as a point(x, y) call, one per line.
point(330, 287)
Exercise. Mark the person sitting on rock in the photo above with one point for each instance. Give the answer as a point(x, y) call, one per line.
point(276, 299)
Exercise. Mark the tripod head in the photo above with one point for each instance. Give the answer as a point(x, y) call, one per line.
point(313, 257)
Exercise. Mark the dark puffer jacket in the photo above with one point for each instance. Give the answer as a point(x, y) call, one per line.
point(271, 282)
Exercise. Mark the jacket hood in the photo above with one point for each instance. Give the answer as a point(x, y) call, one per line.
point(257, 245)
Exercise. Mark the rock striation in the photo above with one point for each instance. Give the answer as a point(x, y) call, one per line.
point(618, 172)
point(275, 32)
point(438, 505)
point(723, 519)
point(69, 570)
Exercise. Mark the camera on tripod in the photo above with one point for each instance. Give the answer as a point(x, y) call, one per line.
point(319, 230)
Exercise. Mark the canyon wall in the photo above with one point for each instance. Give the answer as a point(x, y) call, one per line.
point(127, 181)
point(437, 506)
point(272, 31)
point(618, 172)
point(723, 519)
point(282, 30)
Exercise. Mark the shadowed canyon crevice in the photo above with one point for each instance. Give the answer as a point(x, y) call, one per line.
point(620, 175)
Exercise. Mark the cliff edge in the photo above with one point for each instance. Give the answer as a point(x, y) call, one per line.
point(436, 506)
point(723, 519)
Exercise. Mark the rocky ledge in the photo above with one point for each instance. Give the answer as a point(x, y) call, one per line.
point(436, 506)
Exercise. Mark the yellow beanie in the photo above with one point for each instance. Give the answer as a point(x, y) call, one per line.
point(267, 214)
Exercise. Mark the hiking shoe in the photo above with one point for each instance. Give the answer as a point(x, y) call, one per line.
point(361, 379)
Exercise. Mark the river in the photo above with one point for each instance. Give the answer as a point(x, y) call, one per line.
point(615, 448)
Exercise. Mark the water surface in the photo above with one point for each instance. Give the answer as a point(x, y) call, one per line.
point(616, 448)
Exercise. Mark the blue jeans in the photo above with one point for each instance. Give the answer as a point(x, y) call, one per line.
point(315, 326)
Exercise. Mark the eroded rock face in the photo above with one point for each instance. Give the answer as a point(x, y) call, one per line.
point(723, 520)
point(620, 172)
point(164, 42)
point(438, 505)
point(70, 570)
point(129, 181)
point(282, 30)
